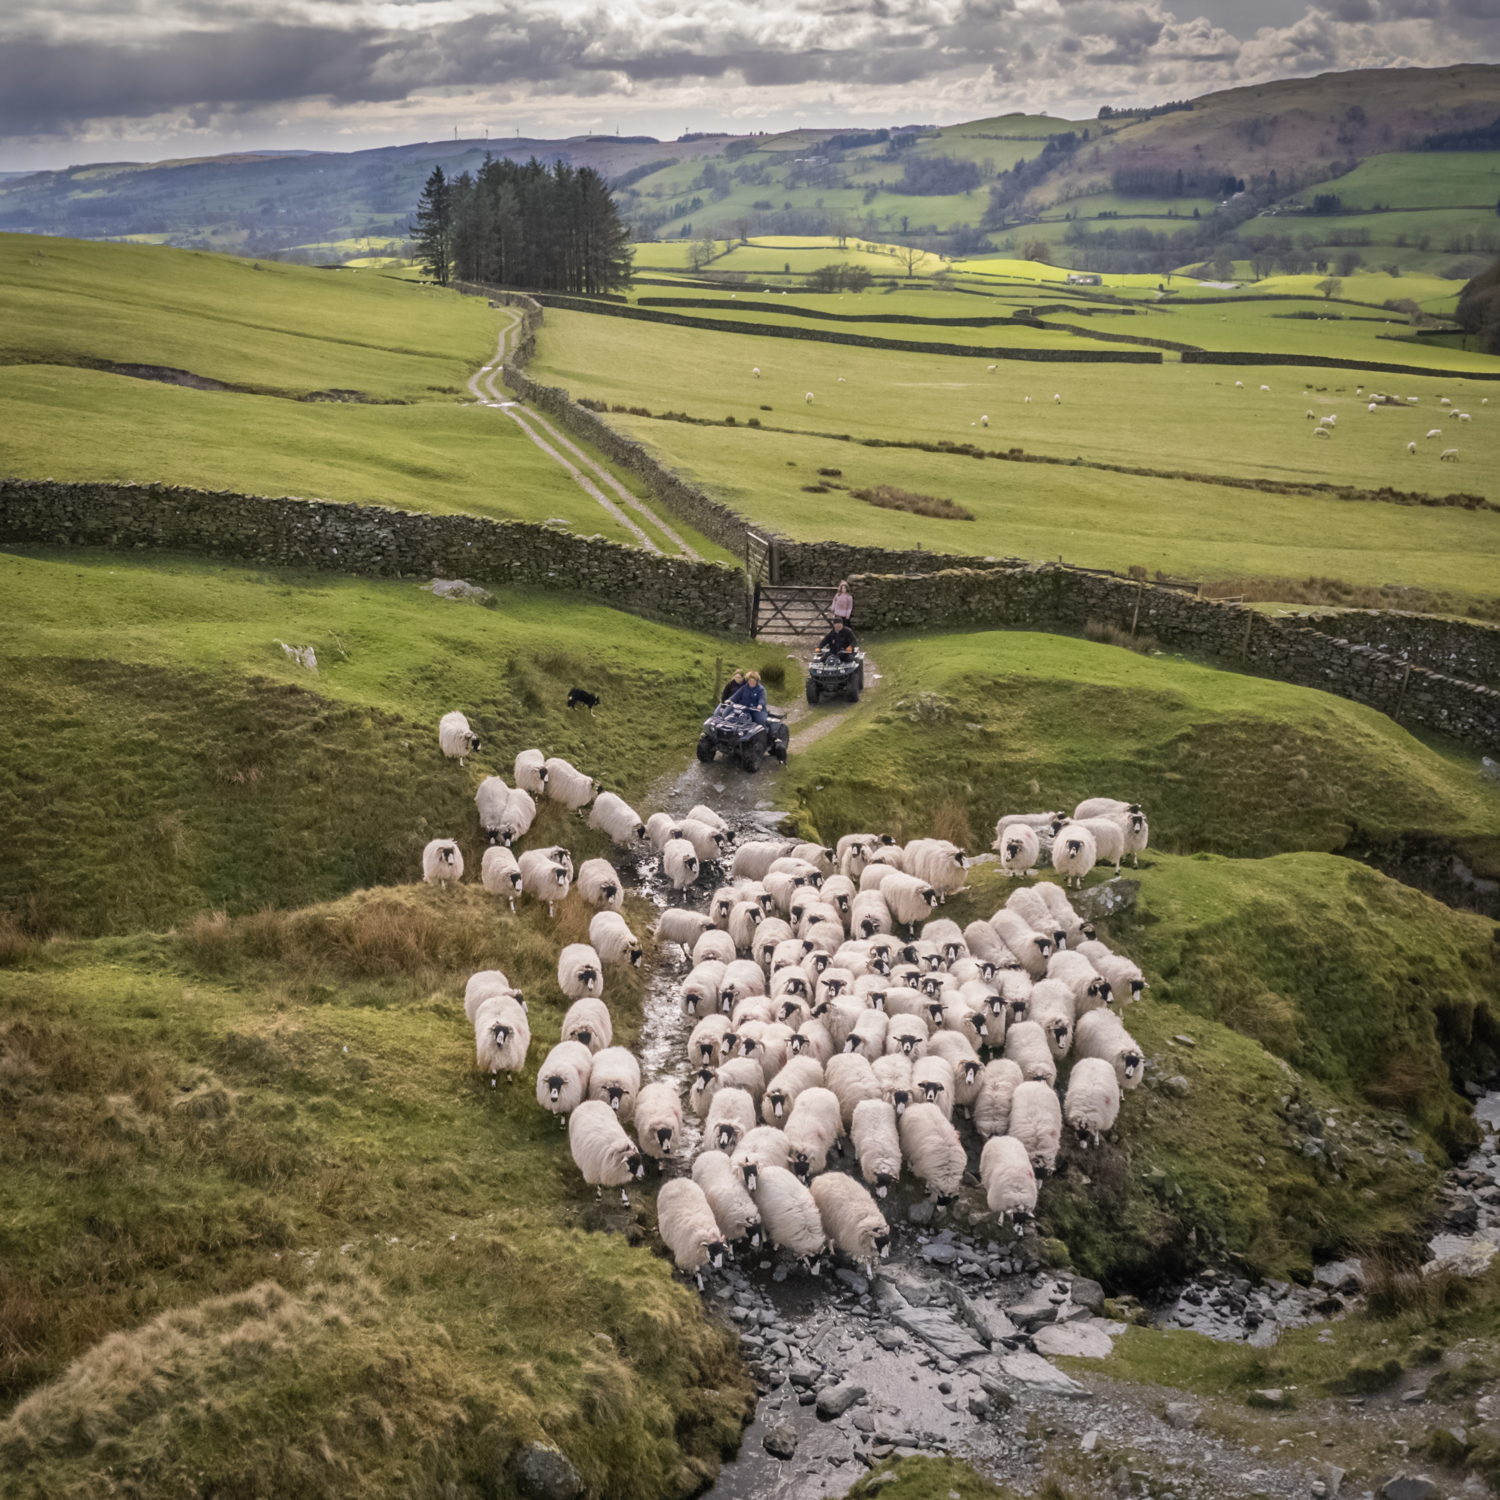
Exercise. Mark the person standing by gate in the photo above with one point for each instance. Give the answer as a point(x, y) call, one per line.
point(843, 604)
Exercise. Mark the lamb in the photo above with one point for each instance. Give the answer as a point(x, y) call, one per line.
point(562, 1081)
point(733, 1208)
point(850, 1218)
point(482, 985)
point(788, 1212)
point(1074, 852)
point(605, 1155)
point(531, 772)
point(877, 1145)
point(730, 1116)
point(1031, 947)
point(681, 927)
point(1051, 1007)
point(587, 1021)
point(614, 816)
point(852, 1080)
point(1101, 1035)
point(753, 860)
point(490, 799)
point(662, 827)
point(600, 885)
point(542, 878)
point(942, 865)
point(442, 861)
point(909, 898)
point(781, 1093)
point(744, 918)
point(765, 1146)
point(1019, 848)
point(700, 990)
point(707, 841)
point(502, 1036)
point(658, 1119)
point(1090, 988)
point(455, 738)
point(1009, 1182)
point(812, 1127)
point(1036, 1121)
point(688, 1227)
point(1092, 1103)
point(499, 873)
point(616, 1080)
point(996, 1089)
point(679, 863)
point(930, 1145)
point(1026, 1046)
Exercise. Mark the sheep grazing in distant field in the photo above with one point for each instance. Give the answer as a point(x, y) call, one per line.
point(569, 786)
point(1092, 1103)
point(1444, 401)
point(754, 859)
point(788, 1212)
point(1101, 1034)
point(729, 1199)
point(1008, 1179)
point(1448, 456)
point(1036, 1121)
point(1411, 447)
point(588, 1021)
point(1371, 408)
point(1057, 399)
point(909, 898)
point(1019, 848)
point(605, 1155)
point(765, 1146)
point(482, 985)
point(614, 816)
point(1265, 388)
point(658, 1119)
point(614, 942)
point(731, 1116)
point(531, 772)
point(700, 990)
point(543, 878)
point(997, 1088)
point(984, 421)
point(850, 1218)
point(502, 1036)
point(688, 1227)
point(943, 865)
point(499, 873)
point(679, 862)
point(931, 1147)
point(600, 885)
point(1463, 416)
point(1436, 432)
point(877, 1144)
point(1025, 400)
point(455, 738)
point(1026, 1046)
point(1074, 852)
point(615, 1080)
point(516, 820)
point(808, 398)
point(781, 1091)
point(1031, 948)
point(681, 927)
point(562, 1081)
point(851, 1079)
point(1320, 432)
point(490, 799)
point(1239, 385)
point(714, 944)
point(756, 372)
point(442, 862)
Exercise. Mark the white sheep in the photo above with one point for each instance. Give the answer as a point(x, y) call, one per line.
point(812, 1127)
point(1051, 1007)
point(707, 841)
point(869, 914)
point(851, 1079)
point(688, 1227)
point(1026, 1046)
point(706, 1044)
point(600, 885)
point(874, 875)
point(680, 926)
point(587, 1021)
point(984, 421)
point(562, 1081)
point(877, 1145)
point(714, 945)
point(741, 978)
point(788, 1212)
point(569, 786)
point(1019, 848)
point(701, 1091)
point(502, 1036)
point(1448, 456)
point(1125, 978)
point(442, 861)
point(700, 990)
point(930, 1145)
point(850, 1218)
point(455, 738)
point(658, 1119)
point(867, 1035)
point(1036, 1121)
point(1008, 1179)
point(615, 1080)
point(967, 1016)
point(968, 1071)
point(1436, 432)
point(756, 372)
point(499, 873)
point(1062, 909)
point(838, 891)
point(798, 1073)
point(1031, 948)
point(679, 862)
point(1074, 852)
point(765, 1146)
point(752, 860)
point(1265, 388)
point(579, 971)
point(617, 818)
point(1444, 401)
point(1092, 1103)
point(943, 865)
point(730, 1116)
point(907, 1034)
point(997, 1088)
point(1101, 1034)
point(1109, 840)
point(1463, 416)
point(482, 985)
point(893, 1074)
point(744, 918)
point(932, 1081)
point(1057, 400)
point(1031, 906)
point(1411, 447)
point(909, 898)
point(812, 1039)
point(1089, 986)
point(518, 816)
point(543, 878)
point(490, 799)
point(612, 939)
point(605, 1155)
point(808, 398)
point(729, 1199)
point(749, 1073)
point(531, 772)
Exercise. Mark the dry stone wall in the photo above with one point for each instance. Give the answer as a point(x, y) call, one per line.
point(1460, 648)
point(374, 540)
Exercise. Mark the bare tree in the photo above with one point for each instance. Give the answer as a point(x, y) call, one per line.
point(1330, 286)
point(910, 256)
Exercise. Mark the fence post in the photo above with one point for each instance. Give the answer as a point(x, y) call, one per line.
point(718, 677)
point(1249, 621)
point(1140, 588)
point(755, 612)
point(1401, 696)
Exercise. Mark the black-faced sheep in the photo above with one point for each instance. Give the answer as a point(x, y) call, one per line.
point(877, 1144)
point(700, 990)
point(907, 1034)
point(744, 918)
point(1031, 906)
point(562, 1081)
point(543, 878)
point(1125, 978)
point(708, 842)
point(679, 863)
point(1100, 1034)
point(499, 873)
point(531, 772)
point(1036, 1121)
point(519, 815)
point(714, 945)
point(490, 799)
point(788, 1212)
point(682, 927)
point(587, 1021)
point(869, 914)
point(1062, 912)
point(932, 1081)
point(733, 1208)
point(600, 885)
point(867, 1035)
point(442, 863)
point(1026, 1046)
point(1031, 947)
point(605, 1155)
point(613, 940)
point(909, 897)
point(455, 738)
point(746, 1073)
point(771, 932)
point(1051, 1007)
point(798, 1073)
point(1109, 840)
point(765, 1146)
point(502, 1036)
point(658, 1119)
point(615, 817)
point(850, 1077)
point(662, 827)
point(705, 1045)
point(1092, 1103)
point(615, 1080)
point(1074, 852)
point(1009, 1182)
point(708, 815)
point(752, 860)
point(1090, 988)
point(688, 1227)
point(850, 1218)
point(996, 1089)
point(579, 971)
point(730, 1117)
point(812, 1127)
point(568, 785)
point(482, 985)
point(931, 1147)
point(812, 1039)
point(943, 865)
point(947, 936)
point(1019, 848)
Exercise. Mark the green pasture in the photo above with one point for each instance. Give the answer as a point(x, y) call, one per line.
point(1417, 179)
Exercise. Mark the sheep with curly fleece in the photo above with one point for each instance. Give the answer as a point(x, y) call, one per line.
point(502, 1036)
point(1036, 1122)
point(1092, 1103)
point(588, 1021)
point(543, 878)
point(530, 772)
point(733, 1208)
point(562, 1081)
point(455, 739)
point(1009, 1182)
point(612, 815)
point(850, 1218)
point(605, 1155)
point(930, 1146)
point(442, 863)
point(600, 885)
point(658, 1120)
point(996, 1090)
point(613, 940)
point(615, 1080)
point(579, 971)
point(499, 873)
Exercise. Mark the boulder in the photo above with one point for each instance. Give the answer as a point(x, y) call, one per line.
point(1076, 1339)
point(1087, 1293)
point(837, 1399)
point(937, 1328)
point(1403, 1487)
point(780, 1442)
point(543, 1472)
point(1033, 1370)
point(1033, 1310)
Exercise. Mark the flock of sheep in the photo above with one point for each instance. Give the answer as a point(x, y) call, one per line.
point(1376, 399)
point(834, 1016)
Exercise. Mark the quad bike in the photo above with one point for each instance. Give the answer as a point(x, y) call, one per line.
point(733, 733)
point(830, 675)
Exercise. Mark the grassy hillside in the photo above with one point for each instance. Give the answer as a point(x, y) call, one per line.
point(152, 724)
point(399, 427)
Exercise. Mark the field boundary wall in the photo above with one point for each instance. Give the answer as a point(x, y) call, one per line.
point(1327, 362)
point(373, 540)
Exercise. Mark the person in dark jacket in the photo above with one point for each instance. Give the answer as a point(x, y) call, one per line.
point(733, 686)
point(839, 640)
point(752, 696)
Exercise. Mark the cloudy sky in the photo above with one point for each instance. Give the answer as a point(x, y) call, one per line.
point(90, 80)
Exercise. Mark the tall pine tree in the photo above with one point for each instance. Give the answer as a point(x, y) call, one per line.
point(433, 230)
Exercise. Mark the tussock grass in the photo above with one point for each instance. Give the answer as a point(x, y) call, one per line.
point(888, 497)
point(1107, 634)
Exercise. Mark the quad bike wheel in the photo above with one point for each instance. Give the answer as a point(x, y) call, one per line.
point(854, 688)
point(706, 749)
point(752, 755)
point(813, 691)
